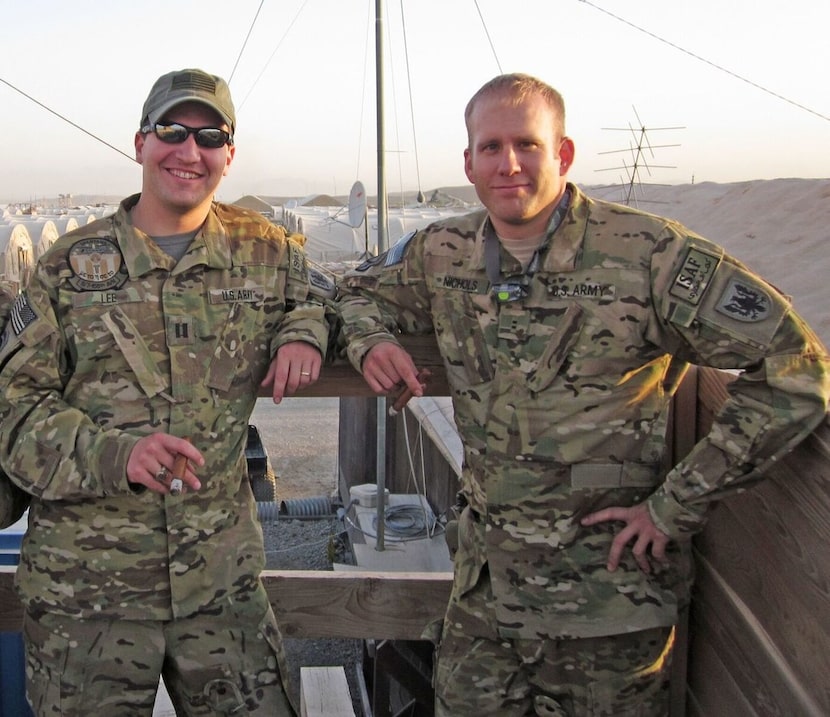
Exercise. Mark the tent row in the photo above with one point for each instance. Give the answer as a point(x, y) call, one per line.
point(24, 238)
point(332, 237)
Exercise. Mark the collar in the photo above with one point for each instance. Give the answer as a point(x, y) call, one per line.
point(493, 248)
point(210, 246)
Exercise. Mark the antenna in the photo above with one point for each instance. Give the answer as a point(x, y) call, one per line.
point(637, 149)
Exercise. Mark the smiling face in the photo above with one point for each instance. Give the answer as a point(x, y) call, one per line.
point(179, 180)
point(517, 159)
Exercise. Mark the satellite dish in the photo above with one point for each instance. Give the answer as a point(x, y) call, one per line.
point(357, 204)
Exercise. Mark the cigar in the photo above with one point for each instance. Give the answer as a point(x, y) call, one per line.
point(179, 467)
point(406, 393)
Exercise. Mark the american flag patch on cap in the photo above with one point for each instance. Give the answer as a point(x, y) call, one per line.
point(21, 315)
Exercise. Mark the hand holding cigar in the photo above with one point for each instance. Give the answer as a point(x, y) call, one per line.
point(406, 393)
point(177, 484)
point(169, 460)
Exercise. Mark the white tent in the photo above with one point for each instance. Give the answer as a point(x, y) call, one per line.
point(87, 215)
point(330, 237)
point(42, 231)
point(65, 223)
point(16, 254)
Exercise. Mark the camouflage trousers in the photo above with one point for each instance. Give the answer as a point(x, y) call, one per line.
point(230, 661)
point(623, 675)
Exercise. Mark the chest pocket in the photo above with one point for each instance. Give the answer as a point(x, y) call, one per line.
point(135, 352)
point(535, 341)
point(462, 340)
point(242, 348)
point(110, 331)
point(557, 341)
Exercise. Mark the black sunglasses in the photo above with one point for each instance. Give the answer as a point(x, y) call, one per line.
point(175, 133)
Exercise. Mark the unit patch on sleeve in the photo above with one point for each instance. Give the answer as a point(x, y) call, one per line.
point(744, 302)
point(96, 264)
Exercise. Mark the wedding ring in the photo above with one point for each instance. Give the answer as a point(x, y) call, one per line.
point(161, 476)
point(304, 373)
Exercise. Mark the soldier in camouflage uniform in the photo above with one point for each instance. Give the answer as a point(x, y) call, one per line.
point(13, 501)
point(142, 337)
point(565, 324)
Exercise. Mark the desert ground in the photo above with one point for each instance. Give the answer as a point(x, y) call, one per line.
point(300, 438)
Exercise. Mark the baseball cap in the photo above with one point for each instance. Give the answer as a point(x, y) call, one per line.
point(190, 85)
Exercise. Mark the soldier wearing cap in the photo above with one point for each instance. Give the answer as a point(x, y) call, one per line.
point(565, 325)
point(139, 345)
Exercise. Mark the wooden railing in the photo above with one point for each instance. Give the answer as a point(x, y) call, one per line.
point(338, 378)
point(759, 628)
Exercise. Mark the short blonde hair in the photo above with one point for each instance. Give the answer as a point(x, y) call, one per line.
point(519, 87)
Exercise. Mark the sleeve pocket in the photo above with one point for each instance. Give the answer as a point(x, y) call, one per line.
point(37, 463)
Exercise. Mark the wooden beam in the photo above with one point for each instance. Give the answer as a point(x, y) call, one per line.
point(324, 692)
point(357, 604)
point(318, 603)
point(764, 678)
point(762, 577)
point(339, 378)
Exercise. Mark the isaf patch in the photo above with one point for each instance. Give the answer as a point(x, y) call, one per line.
point(97, 263)
point(744, 302)
point(691, 281)
point(297, 268)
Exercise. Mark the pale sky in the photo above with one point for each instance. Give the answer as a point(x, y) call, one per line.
point(743, 79)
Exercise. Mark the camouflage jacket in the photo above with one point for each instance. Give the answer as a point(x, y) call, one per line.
point(561, 398)
point(113, 340)
point(13, 501)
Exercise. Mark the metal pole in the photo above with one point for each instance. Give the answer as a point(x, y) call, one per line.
point(383, 243)
point(382, 246)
